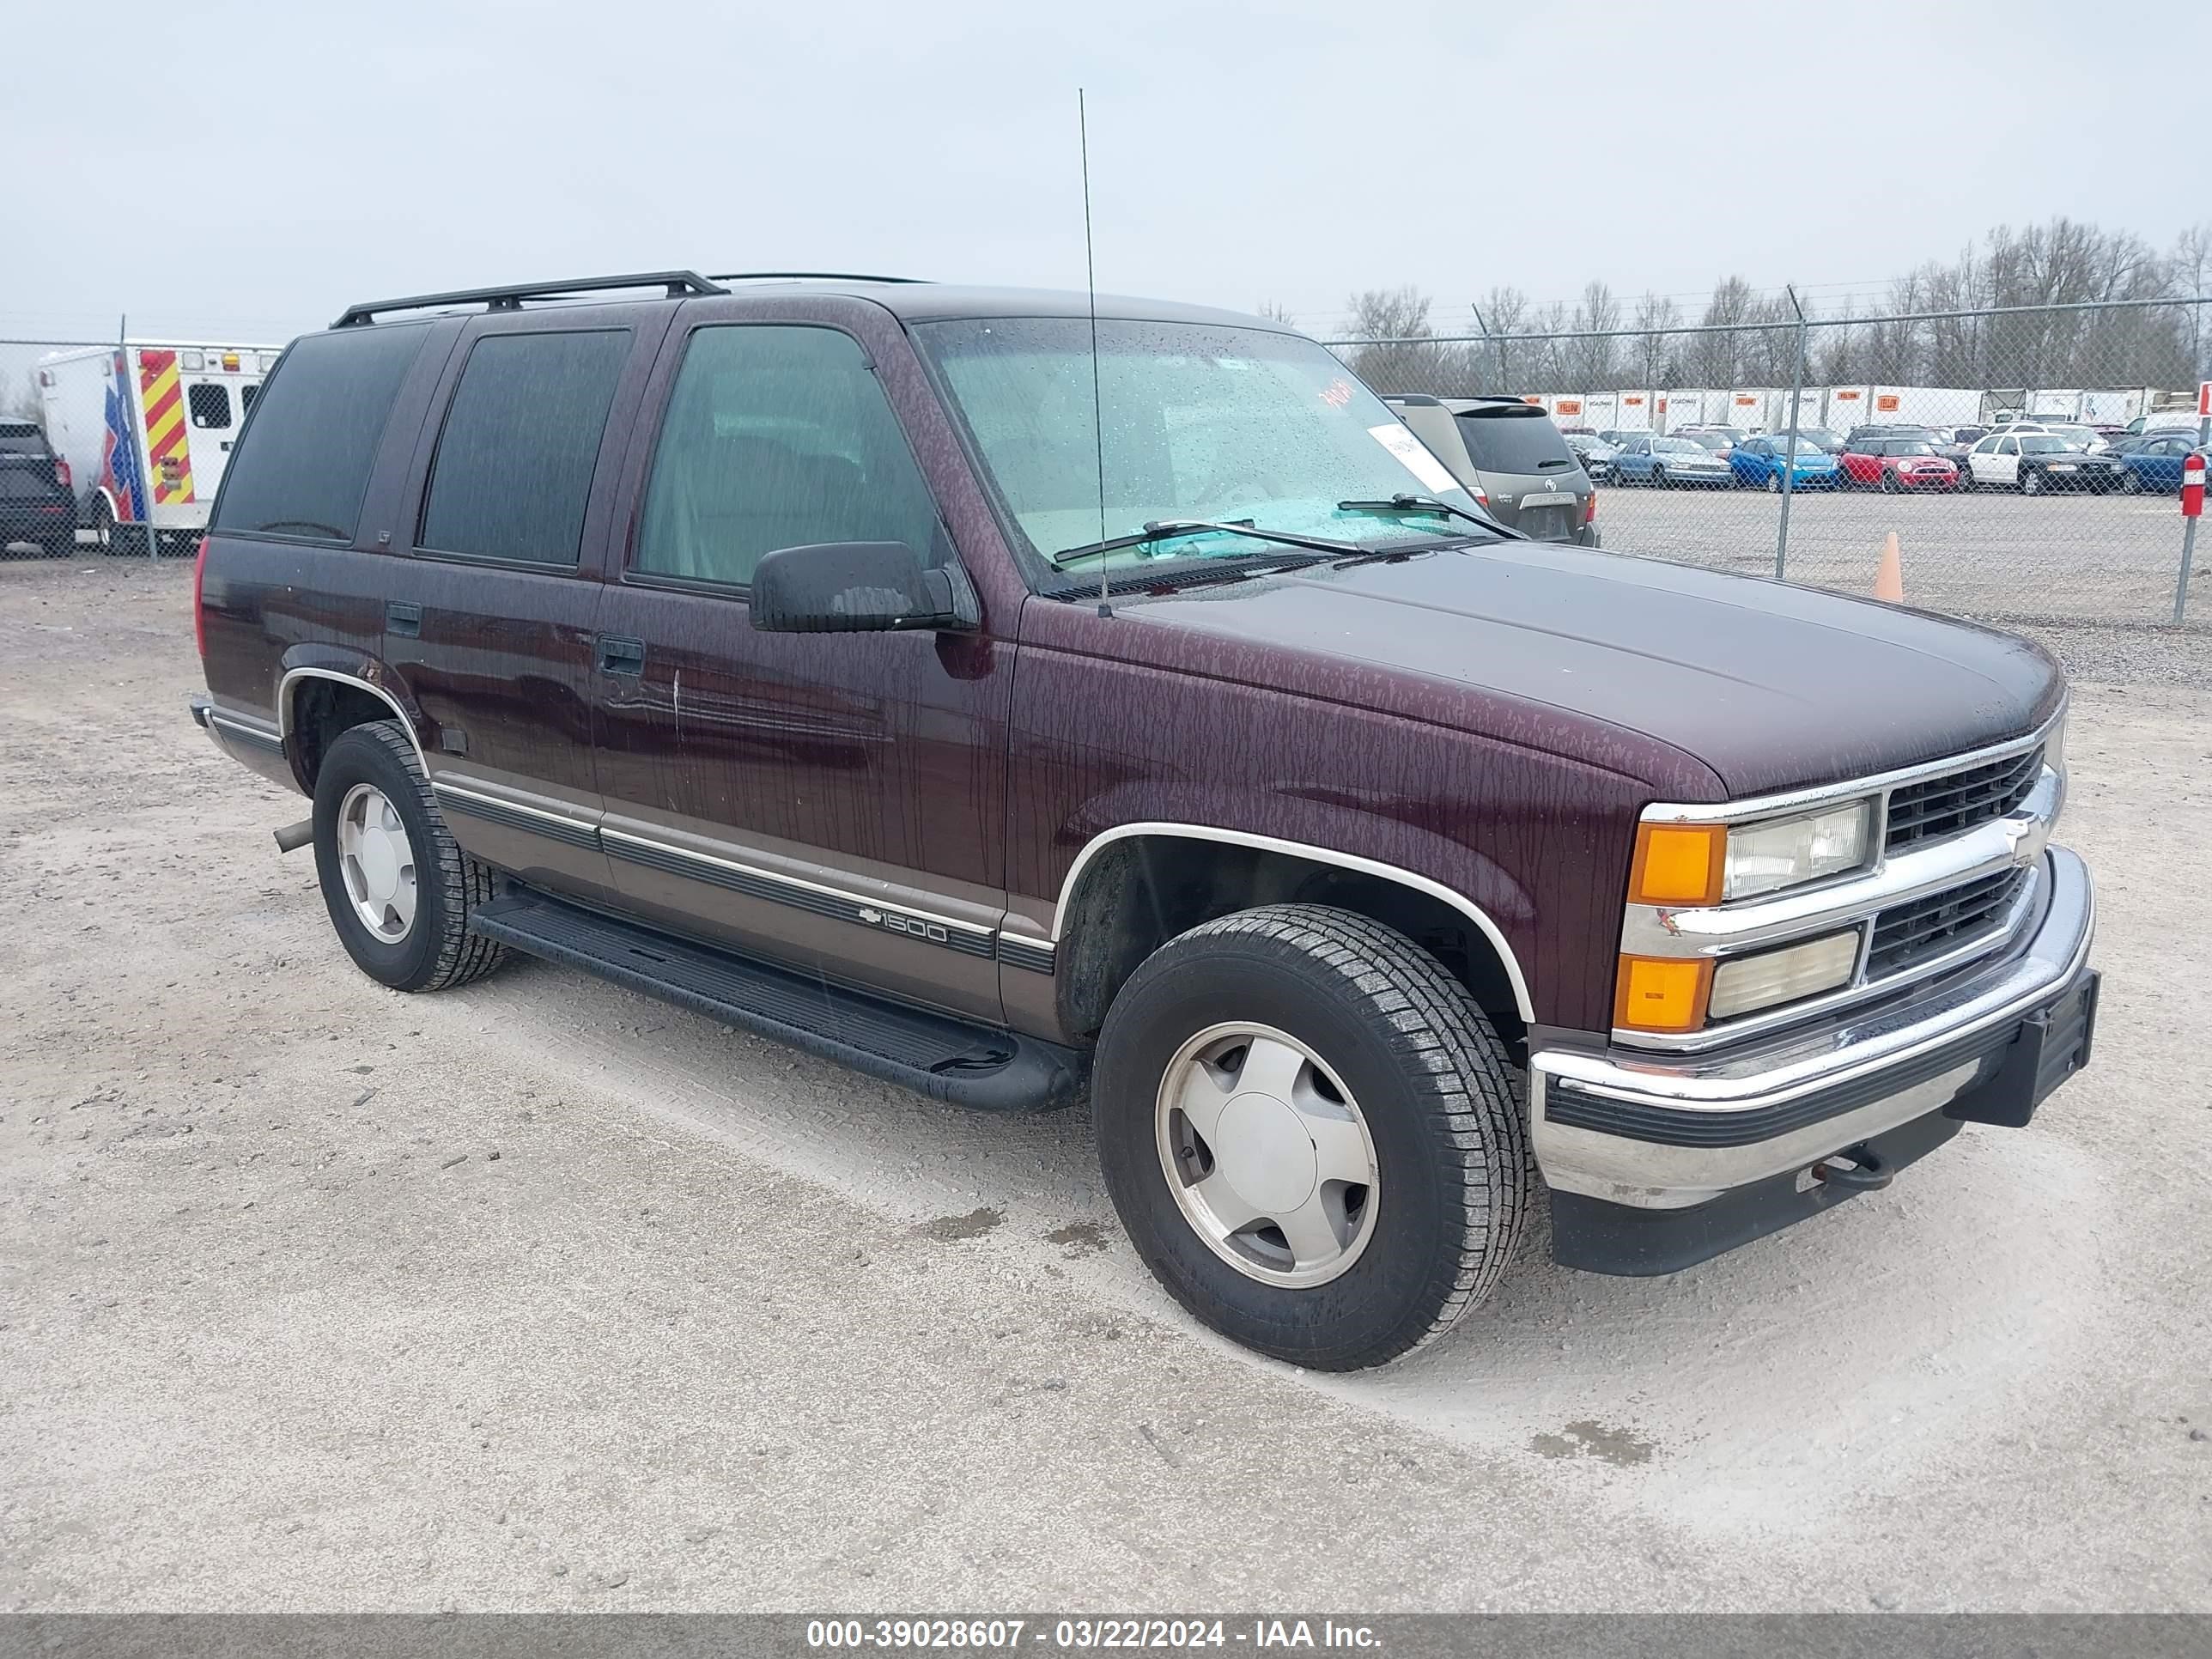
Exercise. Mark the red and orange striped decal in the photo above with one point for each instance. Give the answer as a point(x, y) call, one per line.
point(168, 444)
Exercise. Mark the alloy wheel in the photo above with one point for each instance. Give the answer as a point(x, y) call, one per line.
point(1267, 1154)
point(377, 863)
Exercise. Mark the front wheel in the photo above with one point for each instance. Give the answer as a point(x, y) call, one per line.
point(1774, 483)
point(1889, 484)
point(2031, 484)
point(1658, 477)
point(398, 889)
point(1312, 1135)
point(2131, 482)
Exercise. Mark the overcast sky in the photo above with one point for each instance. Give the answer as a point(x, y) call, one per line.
point(249, 169)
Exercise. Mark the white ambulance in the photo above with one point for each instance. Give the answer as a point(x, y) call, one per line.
point(146, 427)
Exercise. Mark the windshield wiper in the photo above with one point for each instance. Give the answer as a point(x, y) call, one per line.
point(1423, 504)
point(1160, 530)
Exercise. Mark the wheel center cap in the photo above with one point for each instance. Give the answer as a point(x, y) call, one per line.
point(1265, 1153)
point(379, 865)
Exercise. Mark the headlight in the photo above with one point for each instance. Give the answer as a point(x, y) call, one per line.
point(1764, 858)
point(1701, 864)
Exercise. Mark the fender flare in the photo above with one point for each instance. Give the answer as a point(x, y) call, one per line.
point(1420, 883)
point(356, 669)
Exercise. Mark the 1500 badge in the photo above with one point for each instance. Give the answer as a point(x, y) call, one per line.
point(912, 926)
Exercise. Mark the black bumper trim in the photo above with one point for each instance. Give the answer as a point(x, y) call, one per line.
point(1599, 1237)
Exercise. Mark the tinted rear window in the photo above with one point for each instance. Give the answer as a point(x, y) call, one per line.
point(303, 468)
point(514, 462)
point(21, 438)
point(1514, 443)
point(21, 484)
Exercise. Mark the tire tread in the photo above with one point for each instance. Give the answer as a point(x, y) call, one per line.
point(1475, 1115)
point(462, 955)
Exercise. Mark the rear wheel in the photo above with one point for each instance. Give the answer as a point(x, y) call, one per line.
point(398, 889)
point(1311, 1134)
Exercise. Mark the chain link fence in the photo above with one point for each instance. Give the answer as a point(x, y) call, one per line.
point(2029, 459)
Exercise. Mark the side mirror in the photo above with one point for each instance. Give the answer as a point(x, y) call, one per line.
point(855, 587)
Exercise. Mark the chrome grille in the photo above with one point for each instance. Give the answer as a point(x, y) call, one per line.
point(1906, 935)
point(1957, 801)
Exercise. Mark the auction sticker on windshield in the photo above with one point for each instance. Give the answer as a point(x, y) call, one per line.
point(1414, 456)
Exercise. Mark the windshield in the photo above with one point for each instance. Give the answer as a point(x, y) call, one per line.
point(1201, 422)
point(1911, 448)
point(1676, 446)
point(1711, 440)
point(1513, 442)
point(21, 438)
point(2044, 443)
point(1799, 447)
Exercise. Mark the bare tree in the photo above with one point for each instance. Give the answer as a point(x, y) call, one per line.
point(23, 403)
point(1656, 346)
point(1276, 312)
point(1403, 359)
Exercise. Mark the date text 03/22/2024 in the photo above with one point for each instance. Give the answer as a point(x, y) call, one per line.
point(1260, 1635)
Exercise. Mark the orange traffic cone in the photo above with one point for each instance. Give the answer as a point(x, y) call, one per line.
point(1889, 579)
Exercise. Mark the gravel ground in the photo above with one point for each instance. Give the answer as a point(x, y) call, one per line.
point(540, 1295)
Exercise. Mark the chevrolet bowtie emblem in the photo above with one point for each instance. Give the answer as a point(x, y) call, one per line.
point(873, 918)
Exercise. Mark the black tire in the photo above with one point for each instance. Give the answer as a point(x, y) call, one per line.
point(1444, 1109)
point(1966, 476)
point(1889, 484)
point(438, 949)
point(2031, 483)
point(1658, 477)
point(2132, 482)
point(1774, 484)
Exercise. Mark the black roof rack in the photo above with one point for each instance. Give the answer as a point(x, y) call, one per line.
point(678, 283)
point(808, 275)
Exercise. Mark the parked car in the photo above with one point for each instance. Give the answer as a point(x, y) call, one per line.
point(1758, 463)
point(2153, 463)
point(1831, 442)
point(1859, 436)
point(1955, 443)
point(1377, 871)
point(1663, 461)
point(37, 503)
point(2081, 437)
point(1594, 452)
point(1897, 464)
point(1511, 458)
point(1721, 440)
point(2036, 462)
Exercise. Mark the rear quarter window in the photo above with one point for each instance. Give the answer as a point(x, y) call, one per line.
point(514, 468)
point(1513, 443)
point(303, 466)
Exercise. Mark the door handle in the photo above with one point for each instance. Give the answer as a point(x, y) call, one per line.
point(621, 656)
point(400, 618)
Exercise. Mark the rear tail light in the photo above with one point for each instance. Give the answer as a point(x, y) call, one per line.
point(1589, 507)
point(62, 472)
point(199, 603)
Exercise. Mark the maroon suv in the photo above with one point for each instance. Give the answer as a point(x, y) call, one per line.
point(813, 655)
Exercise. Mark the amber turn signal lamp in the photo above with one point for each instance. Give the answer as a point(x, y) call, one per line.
point(1678, 863)
point(1662, 994)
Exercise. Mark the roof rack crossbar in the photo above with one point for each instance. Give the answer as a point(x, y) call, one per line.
point(510, 296)
point(802, 275)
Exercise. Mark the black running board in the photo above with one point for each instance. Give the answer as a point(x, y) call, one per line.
point(945, 1058)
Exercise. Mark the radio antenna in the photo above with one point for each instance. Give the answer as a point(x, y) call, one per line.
point(1097, 404)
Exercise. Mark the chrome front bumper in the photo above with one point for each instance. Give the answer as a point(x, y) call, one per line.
point(1667, 1131)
